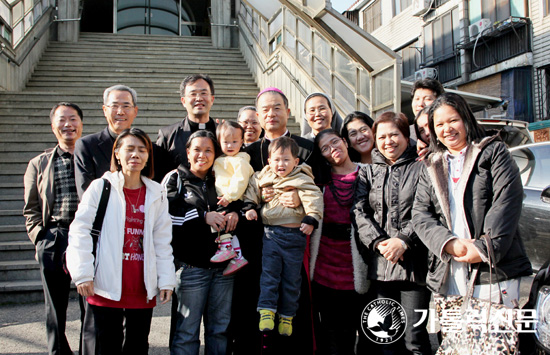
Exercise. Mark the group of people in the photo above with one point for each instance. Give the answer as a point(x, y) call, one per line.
point(275, 242)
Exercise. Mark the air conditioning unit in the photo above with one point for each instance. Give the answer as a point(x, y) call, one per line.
point(425, 73)
point(477, 28)
point(419, 7)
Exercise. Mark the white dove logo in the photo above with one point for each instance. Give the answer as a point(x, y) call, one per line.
point(384, 321)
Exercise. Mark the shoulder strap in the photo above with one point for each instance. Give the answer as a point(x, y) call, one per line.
point(100, 214)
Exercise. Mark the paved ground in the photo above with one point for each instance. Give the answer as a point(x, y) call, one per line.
point(22, 329)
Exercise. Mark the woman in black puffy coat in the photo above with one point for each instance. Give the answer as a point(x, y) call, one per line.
point(396, 258)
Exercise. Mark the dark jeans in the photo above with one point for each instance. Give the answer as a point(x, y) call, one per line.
point(339, 313)
point(122, 330)
point(411, 296)
point(283, 254)
point(56, 284)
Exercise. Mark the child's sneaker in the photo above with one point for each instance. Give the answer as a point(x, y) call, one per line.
point(285, 326)
point(266, 320)
point(224, 252)
point(234, 266)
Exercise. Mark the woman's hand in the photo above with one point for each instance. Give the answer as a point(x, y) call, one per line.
point(216, 220)
point(455, 248)
point(85, 289)
point(231, 220)
point(472, 254)
point(392, 249)
point(165, 296)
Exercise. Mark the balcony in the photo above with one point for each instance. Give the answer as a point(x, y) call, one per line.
point(505, 40)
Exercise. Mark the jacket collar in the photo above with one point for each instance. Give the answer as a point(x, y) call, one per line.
point(408, 155)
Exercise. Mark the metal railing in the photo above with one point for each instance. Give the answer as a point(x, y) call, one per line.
point(294, 50)
point(18, 17)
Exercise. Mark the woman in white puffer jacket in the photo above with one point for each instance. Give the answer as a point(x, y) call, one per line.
point(134, 256)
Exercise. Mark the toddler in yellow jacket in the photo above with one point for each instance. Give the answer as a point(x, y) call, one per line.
point(232, 171)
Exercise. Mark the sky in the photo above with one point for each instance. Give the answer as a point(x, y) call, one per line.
point(341, 5)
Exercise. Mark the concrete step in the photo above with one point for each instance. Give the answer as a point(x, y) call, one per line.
point(22, 291)
point(19, 270)
point(11, 217)
point(10, 233)
point(17, 250)
point(11, 202)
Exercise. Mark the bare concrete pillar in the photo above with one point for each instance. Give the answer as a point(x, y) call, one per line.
point(221, 15)
point(68, 29)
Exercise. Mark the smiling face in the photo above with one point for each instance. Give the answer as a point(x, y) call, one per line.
point(132, 155)
point(198, 101)
point(201, 154)
point(231, 141)
point(272, 114)
point(252, 129)
point(390, 141)
point(421, 99)
point(119, 110)
point(360, 136)
point(66, 126)
point(282, 162)
point(334, 149)
point(318, 114)
point(423, 128)
point(450, 129)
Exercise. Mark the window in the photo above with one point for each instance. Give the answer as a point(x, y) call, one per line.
point(545, 7)
point(400, 5)
point(372, 17)
point(441, 36)
point(533, 165)
point(497, 10)
point(411, 60)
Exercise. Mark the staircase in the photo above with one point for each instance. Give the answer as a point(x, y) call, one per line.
point(79, 72)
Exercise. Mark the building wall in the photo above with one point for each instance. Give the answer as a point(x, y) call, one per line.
point(541, 49)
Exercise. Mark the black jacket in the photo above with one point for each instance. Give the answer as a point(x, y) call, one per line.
point(382, 210)
point(173, 139)
point(189, 199)
point(92, 159)
point(492, 195)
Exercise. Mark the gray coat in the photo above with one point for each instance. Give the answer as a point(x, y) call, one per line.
point(382, 210)
point(39, 193)
point(492, 195)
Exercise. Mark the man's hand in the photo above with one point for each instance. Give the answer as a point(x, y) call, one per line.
point(85, 289)
point(251, 215)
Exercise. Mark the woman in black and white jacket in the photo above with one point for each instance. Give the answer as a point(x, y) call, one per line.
point(469, 187)
point(202, 289)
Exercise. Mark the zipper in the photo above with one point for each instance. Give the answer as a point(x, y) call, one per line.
point(205, 195)
point(388, 224)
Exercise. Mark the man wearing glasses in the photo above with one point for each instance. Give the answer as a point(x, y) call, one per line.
point(197, 96)
point(93, 152)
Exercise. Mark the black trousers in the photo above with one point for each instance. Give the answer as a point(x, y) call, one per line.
point(56, 284)
point(339, 313)
point(412, 297)
point(122, 330)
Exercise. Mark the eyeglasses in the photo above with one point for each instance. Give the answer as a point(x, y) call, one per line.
point(333, 144)
point(115, 107)
point(202, 94)
point(362, 130)
point(249, 123)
